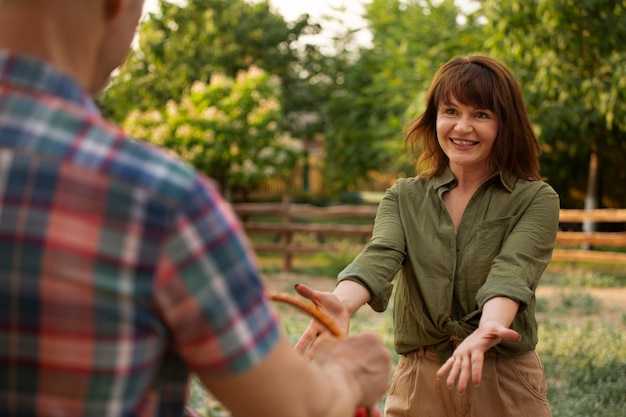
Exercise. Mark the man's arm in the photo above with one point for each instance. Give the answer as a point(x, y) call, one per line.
point(354, 373)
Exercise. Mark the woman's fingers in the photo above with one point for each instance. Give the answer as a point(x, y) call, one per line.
point(306, 340)
point(308, 292)
point(445, 368)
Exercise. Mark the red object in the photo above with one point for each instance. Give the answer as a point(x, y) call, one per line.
point(363, 412)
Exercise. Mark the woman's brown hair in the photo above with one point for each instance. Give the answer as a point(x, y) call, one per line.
point(485, 83)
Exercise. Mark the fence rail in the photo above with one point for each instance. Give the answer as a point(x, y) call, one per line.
point(291, 224)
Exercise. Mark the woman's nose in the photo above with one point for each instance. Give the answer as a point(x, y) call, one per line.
point(464, 124)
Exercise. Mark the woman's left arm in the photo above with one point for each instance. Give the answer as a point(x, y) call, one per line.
point(526, 252)
point(467, 360)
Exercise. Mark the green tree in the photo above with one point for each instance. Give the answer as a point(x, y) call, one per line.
point(228, 129)
point(569, 57)
point(373, 94)
point(181, 44)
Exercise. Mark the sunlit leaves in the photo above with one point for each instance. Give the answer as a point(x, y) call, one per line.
point(228, 128)
point(184, 43)
point(372, 98)
point(569, 57)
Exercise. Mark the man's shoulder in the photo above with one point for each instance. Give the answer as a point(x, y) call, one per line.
point(49, 116)
point(70, 135)
point(141, 164)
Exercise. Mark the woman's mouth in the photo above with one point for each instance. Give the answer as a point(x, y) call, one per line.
point(463, 142)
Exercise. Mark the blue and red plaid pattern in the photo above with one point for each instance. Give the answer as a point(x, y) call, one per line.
point(121, 268)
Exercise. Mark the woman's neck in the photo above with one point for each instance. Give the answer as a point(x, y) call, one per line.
point(468, 179)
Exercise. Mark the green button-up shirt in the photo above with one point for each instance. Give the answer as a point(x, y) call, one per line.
point(502, 247)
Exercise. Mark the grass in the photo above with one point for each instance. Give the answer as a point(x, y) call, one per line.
point(585, 368)
point(598, 276)
point(585, 364)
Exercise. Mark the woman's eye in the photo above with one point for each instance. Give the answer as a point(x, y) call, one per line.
point(482, 115)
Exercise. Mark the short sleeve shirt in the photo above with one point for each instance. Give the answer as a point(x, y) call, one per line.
point(503, 244)
point(122, 270)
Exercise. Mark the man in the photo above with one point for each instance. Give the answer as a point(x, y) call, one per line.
point(122, 270)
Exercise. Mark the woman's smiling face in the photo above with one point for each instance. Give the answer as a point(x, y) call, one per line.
point(466, 134)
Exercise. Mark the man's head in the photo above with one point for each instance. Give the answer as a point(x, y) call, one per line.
point(87, 39)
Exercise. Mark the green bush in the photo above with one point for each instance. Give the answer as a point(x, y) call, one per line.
point(583, 303)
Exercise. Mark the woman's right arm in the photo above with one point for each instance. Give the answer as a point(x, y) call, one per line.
point(370, 273)
point(352, 295)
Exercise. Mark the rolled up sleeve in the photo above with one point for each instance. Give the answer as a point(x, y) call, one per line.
point(525, 253)
point(379, 261)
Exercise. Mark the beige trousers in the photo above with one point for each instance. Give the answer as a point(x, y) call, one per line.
point(510, 387)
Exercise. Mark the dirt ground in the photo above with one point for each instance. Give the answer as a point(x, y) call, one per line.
point(578, 306)
point(610, 304)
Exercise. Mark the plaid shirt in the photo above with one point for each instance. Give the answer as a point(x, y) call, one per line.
point(121, 268)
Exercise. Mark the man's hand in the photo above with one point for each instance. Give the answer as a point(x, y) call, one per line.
point(365, 362)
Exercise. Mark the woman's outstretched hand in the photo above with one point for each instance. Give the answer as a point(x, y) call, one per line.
point(466, 362)
point(316, 335)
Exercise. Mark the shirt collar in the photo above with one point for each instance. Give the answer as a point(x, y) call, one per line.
point(32, 74)
point(507, 179)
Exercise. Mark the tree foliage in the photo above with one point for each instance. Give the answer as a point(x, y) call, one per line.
point(569, 57)
point(373, 96)
point(228, 128)
point(186, 86)
point(567, 54)
point(181, 44)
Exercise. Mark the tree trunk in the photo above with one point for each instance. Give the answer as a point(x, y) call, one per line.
point(593, 189)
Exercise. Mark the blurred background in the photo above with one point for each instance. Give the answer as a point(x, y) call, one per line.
point(311, 99)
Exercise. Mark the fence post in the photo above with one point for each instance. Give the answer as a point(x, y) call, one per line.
point(287, 234)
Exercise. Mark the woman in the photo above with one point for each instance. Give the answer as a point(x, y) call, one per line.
point(471, 235)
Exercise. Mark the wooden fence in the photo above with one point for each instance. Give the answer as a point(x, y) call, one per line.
point(290, 224)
